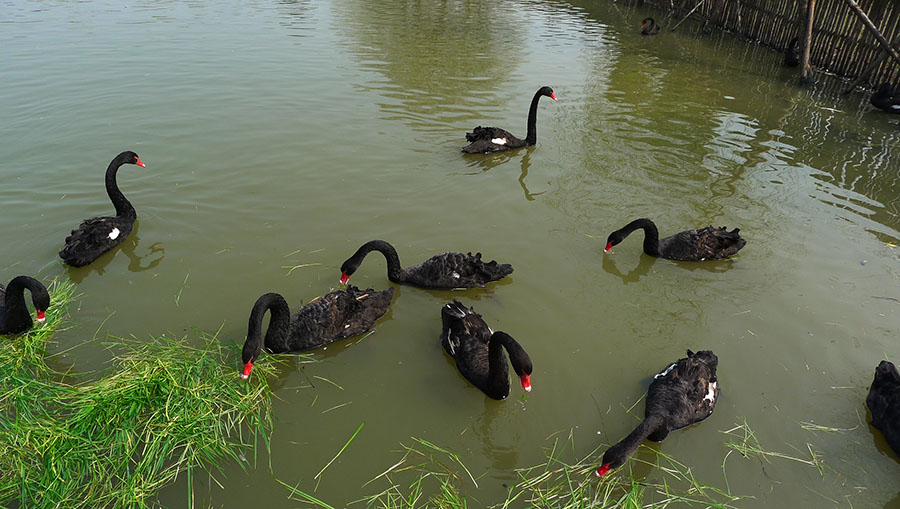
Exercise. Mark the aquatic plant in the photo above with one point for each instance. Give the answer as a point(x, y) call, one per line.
point(166, 409)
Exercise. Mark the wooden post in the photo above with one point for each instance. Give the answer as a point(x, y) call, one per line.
point(805, 78)
point(880, 38)
point(688, 15)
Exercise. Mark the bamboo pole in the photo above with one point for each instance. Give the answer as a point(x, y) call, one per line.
point(875, 63)
point(880, 38)
point(688, 15)
point(805, 78)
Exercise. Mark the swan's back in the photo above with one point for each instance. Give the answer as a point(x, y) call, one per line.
point(2, 305)
point(491, 139)
point(338, 315)
point(465, 337)
point(685, 392)
point(93, 238)
point(706, 244)
point(884, 403)
point(884, 99)
point(456, 270)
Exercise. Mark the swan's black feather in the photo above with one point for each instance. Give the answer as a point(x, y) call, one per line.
point(884, 403)
point(455, 270)
point(706, 244)
point(93, 238)
point(792, 53)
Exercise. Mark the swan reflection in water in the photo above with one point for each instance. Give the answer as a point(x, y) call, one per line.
point(491, 161)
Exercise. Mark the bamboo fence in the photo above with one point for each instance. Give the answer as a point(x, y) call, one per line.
point(840, 43)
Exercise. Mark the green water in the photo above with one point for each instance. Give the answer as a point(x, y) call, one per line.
point(285, 134)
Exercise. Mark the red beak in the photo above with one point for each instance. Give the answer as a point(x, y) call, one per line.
point(526, 382)
point(247, 367)
point(553, 95)
point(608, 247)
point(344, 278)
point(40, 316)
point(140, 163)
point(603, 470)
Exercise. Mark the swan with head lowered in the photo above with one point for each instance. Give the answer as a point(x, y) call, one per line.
point(478, 351)
point(493, 139)
point(337, 315)
point(690, 245)
point(14, 316)
point(682, 394)
point(98, 235)
point(441, 271)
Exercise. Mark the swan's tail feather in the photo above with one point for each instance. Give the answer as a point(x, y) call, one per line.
point(492, 270)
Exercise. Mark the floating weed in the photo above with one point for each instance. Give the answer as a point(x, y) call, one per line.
point(166, 409)
point(748, 445)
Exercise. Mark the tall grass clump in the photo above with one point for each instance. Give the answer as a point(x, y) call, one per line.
point(166, 409)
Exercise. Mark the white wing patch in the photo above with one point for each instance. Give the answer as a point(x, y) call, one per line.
point(711, 395)
point(499, 141)
point(114, 234)
point(455, 275)
point(665, 372)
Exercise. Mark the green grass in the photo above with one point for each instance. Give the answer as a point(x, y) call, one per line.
point(166, 409)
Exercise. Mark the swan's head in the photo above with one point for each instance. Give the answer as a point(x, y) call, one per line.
point(41, 300)
point(548, 92)
point(245, 374)
point(526, 382)
point(129, 157)
point(645, 21)
point(347, 270)
point(613, 239)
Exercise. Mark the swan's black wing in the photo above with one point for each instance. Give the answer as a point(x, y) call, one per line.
point(706, 244)
point(884, 403)
point(465, 336)
point(456, 270)
point(2, 306)
point(491, 139)
point(94, 237)
point(337, 315)
point(685, 392)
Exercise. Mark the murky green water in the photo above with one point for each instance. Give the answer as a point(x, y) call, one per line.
point(282, 134)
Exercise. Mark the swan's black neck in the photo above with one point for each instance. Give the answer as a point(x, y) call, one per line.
point(123, 206)
point(498, 373)
point(616, 455)
point(17, 318)
point(531, 134)
point(651, 234)
point(276, 335)
point(394, 271)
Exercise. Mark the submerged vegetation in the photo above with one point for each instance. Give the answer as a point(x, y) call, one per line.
point(166, 409)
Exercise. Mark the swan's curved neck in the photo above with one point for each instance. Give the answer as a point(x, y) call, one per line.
point(394, 271)
point(620, 452)
point(651, 234)
point(123, 206)
point(278, 325)
point(531, 134)
point(498, 374)
point(17, 317)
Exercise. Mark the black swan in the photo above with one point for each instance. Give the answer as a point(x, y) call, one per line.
point(690, 245)
point(447, 270)
point(884, 403)
point(478, 351)
point(682, 394)
point(14, 316)
point(493, 139)
point(649, 27)
point(337, 315)
point(792, 54)
point(98, 235)
point(884, 99)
